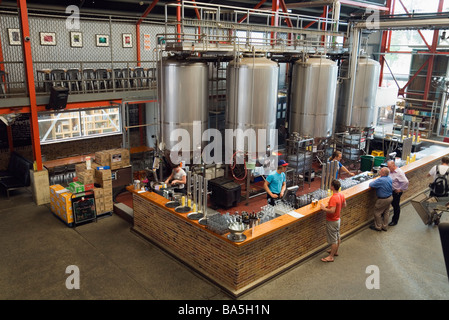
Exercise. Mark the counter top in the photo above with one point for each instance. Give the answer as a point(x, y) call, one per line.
point(286, 219)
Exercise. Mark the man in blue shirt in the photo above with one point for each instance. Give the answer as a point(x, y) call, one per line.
point(275, 184)
point(384, 191)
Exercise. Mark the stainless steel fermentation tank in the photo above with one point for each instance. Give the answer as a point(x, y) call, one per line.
point(183, 95)
point(365, 90)
point(252, 88)
point(314, 82)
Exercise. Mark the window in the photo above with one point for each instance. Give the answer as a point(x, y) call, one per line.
point(63, 126)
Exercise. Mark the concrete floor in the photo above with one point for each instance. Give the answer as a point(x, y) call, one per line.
point(114, 263)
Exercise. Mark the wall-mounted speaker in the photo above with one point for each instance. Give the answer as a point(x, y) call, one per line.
point(58, 98)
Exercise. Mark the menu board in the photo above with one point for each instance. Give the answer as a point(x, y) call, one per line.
point(21, 132)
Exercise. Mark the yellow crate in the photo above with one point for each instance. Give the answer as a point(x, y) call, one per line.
point(377, 153)
point(61, 203)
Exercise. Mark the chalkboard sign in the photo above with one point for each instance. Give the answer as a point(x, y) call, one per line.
point(21, 132)
point(133, 113)
point(83, 208)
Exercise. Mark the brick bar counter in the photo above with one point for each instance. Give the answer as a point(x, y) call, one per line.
point(274, 246)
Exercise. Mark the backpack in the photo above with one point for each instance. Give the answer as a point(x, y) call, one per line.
point(439, 187)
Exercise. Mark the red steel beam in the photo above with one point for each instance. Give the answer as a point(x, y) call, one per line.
point(385, 45)
point(420, 33)
point(256, 7)
point(313, 22)
point(198, 16)
point(28, 63)
point(284, 8)
point(144, 15)
point(178, 20)
point(401, 91)
point(147, 11)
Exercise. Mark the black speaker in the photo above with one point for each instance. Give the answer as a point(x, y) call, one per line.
point(58, 98)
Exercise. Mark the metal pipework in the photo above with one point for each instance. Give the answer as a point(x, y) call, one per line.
point(203, 220)
point(198, 198)
point(189, 184)
point(323, 175)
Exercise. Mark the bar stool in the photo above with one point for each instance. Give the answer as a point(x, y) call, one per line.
point(138, 77)
point(151, 77)
point(73, 79)
point(126, 75)
point(58, 77)
point(89, 79)
point(102, 77)
point(117, 78)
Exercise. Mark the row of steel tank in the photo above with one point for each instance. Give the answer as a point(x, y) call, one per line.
point(319, 102)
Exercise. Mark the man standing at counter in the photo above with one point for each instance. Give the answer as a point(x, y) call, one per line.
point(400, 184)
point(333, 210)
point(337, 155)
point(384, 191)
point(275, 184)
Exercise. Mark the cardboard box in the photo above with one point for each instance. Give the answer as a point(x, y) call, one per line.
point(102, 158)
point(89, 186)
point(101, 175)
point(40, 186)
point(115, 158)
point(76, 187)
point(86, 177)
point(61, 203)
point(99, 200)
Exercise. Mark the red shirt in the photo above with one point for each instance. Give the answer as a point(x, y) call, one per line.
point(337, 200)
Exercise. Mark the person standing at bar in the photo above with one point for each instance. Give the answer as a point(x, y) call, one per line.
point(333, 210)
point(275, 184)
point(400, 184)
point(336, 155)
point(384, 191)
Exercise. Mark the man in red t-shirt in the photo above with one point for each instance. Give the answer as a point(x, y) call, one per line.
point(333, 209)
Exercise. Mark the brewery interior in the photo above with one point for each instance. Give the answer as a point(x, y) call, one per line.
point(97, 99)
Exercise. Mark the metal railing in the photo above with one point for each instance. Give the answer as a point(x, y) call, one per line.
point(220, 23)
point(78, 77)
point(12, 79)
point(95, 76)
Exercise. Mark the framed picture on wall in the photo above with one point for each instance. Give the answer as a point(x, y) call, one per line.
point(102, 40)
point(48, 38)
point(14, 37)
point(127, 40)
point(76, 39)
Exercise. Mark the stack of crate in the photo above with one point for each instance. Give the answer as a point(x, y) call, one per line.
point(103, 194)
point(102, 179)
point(61, 203)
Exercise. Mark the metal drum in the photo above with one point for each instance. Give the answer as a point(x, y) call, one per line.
point(183, 96)
point(314, 83)
point(252, 87)
point(365, 90)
